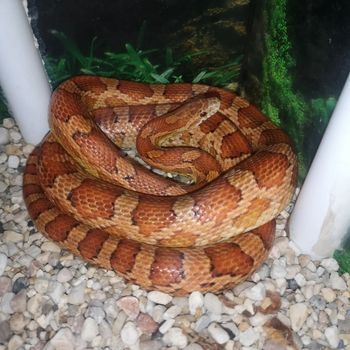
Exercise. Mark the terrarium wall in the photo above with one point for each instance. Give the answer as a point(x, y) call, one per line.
point(290, 58)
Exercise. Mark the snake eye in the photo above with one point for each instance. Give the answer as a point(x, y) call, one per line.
point(203, 114)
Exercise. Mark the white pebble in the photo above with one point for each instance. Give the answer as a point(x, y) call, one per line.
point(15, 342)
point(34, 304)
point(337, 282)
point(8, 123)
point(50, 247)
point(195, 302)
point(257, 292)
point(258, 319)
point(3, 158)
point(213, 303)
point(130, 334)
point(193, 346)
point(3, 263)
point(64, 275)
point(55, 291)
point(218, 333)
point(332, 336)
point(158, 313)
point(298, 314)
point(300, 279)
point(172, 312)
point(12, 236)
point(13, 162)
point(166, 326)
point(330, 264)
point(3, 186)
point(89, 330)
point(41, 285)
point(159, 297)
point(4, 136)
point(15, 136)
point(77, 294)
point(278, 270)
point(175, 337)
point(292, 270)
point(63, 340)
point(248, 337)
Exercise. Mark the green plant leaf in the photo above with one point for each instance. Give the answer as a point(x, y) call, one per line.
point(159, 79)
point(343, 259)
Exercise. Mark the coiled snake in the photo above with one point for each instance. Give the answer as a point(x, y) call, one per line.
point(84, 193)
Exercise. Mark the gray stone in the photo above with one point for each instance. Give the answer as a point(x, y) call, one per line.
point(344, 326)
point(318, 302)
point(5, 332)
point(5, 285)
point(18, 322)
point(19, 301)
point(5, 305)
point(3, 186)
point(3, 263)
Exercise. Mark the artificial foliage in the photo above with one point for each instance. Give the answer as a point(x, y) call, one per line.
point(137, 65)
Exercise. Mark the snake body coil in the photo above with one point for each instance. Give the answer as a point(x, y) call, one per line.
point(85, 194)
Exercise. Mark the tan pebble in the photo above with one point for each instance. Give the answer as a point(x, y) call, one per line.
point(243, 326)
point(328, 294)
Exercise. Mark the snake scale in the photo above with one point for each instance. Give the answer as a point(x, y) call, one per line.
point(83, 192)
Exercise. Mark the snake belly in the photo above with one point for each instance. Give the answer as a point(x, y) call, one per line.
point(84, 193)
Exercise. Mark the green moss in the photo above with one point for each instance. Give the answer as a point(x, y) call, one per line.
point(303, 120)
point(280, 102)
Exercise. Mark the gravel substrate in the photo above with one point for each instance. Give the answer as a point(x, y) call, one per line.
point(50, 299)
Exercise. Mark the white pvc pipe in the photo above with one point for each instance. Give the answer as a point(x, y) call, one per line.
point(22, 75)
point(321, 217)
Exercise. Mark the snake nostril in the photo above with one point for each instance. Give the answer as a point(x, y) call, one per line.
point(203, 114)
